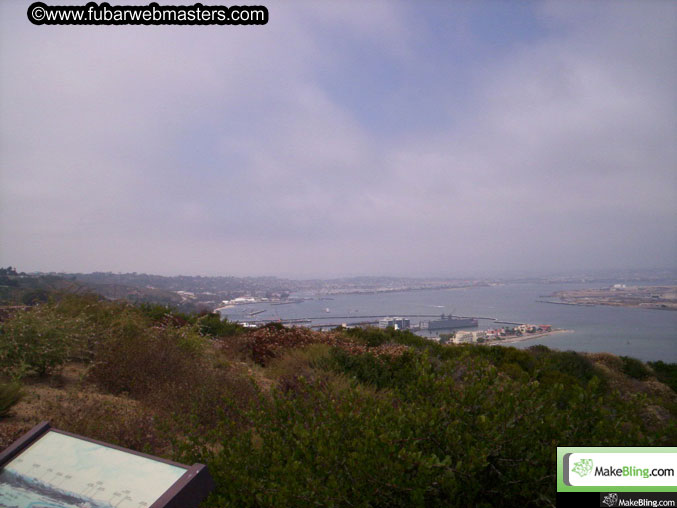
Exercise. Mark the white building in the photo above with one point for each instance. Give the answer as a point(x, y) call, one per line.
point(480, 334)
point(463, 337)
point(398, 323)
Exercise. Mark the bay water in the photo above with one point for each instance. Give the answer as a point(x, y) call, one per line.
point(646, 334)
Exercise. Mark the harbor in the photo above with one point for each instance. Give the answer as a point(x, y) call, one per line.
point(446, 328)
point(381, 320)
point(642, 333)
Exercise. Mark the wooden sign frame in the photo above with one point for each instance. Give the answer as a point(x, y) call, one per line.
point(187, 491)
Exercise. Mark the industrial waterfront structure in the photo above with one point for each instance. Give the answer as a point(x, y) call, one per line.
point(449, 323)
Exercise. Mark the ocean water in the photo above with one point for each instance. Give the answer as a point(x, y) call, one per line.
point(641, 333)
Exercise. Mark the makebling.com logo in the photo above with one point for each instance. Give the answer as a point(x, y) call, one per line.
point(583, 467)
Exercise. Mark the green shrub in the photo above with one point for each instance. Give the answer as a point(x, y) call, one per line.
point(68, 327)
point(10, 394)
point(300, 361)
point(38, 341)
point(35, 296)
point(370, 336)
point(504, 356)
point(635, 368)
point(435, 426)
point(165, 315)
point(374, 337)
point(212, 325)
point(573, 364)
point(666, 373)
point(539, 349)
point(379, 372)
point(435, 433)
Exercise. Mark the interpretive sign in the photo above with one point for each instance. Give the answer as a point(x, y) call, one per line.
point(49, 467)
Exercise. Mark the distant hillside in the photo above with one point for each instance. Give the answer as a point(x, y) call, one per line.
point(18, 288)
point(21, 288)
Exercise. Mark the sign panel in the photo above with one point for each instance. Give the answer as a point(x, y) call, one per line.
point(60, 470)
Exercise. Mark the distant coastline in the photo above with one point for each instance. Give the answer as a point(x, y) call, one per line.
point(620, 295)
point(375, 291)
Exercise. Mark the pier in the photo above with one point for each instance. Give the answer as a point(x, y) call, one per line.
point(318, 318)
point(365, 320)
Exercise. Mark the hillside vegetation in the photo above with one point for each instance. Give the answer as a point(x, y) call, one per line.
point(291, 417)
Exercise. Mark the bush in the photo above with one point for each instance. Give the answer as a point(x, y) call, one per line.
point(437, 433)
point(666, 373)
point(167, 369)
point(136, 358)
point(41, 339)
point(371, 418)
point(35, 296)
point(503, 356)
point(575, 365)
point(371, 337)
point(38, 341)
point(212, 325)
point(299, 362)
point(635, 368)
point(200, 401)
point(165, 315)
point(379, 372)
point(119, 421)
point(10, 394)
point(374, 337)
point(271, 340)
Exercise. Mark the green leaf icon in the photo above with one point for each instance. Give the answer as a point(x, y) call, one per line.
point(582, 467)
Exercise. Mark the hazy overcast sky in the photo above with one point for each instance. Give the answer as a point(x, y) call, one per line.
point(344, 138)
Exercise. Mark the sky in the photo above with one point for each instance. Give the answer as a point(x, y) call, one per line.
point(344, 138)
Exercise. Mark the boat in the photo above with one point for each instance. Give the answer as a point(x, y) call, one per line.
point(449, 322)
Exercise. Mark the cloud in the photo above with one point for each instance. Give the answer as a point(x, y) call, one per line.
point(333, 140)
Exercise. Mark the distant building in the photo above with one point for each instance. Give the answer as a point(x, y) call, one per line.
point(479, 335)
point(398, 323)
point(463, 337)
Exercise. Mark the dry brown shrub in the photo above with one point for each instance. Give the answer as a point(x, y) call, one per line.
point(117, 420)
point(233, 348)
point(10, 432)
point(205, 396)
point(139, 361)
point(295, 368)
point(271, 341)
point(610, 361)
point(384, 350)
